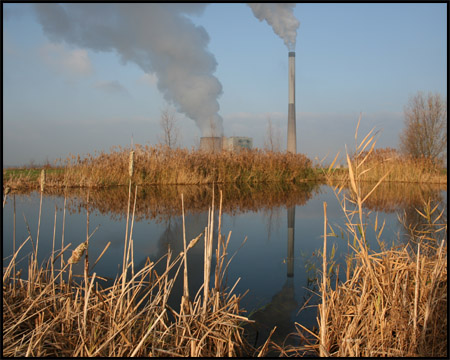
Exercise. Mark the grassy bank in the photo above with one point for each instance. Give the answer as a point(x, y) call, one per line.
point(28, 178)
point(162, 165)
point(375, 164)
point(389, 164)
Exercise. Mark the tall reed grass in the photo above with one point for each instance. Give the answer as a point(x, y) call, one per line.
point(54, 312)
point(392, 302)
point(163, 165)
point(400, 168)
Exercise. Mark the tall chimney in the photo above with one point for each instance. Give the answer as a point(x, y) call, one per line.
point(292, 132)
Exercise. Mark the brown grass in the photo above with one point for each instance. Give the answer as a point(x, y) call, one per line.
point(50, 314)
point(400, 168)
point(392, 304)
point(162, 165)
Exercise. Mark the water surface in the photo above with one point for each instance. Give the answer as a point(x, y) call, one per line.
point(282, 228)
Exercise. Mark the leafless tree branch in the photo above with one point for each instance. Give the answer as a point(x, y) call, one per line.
point(425, 132)
point(171, 133)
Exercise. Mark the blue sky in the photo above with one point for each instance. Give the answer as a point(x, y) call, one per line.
point(62, 96)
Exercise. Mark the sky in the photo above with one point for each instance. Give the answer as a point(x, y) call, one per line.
point(83, 78)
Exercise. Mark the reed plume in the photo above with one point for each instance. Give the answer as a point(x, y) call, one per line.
point(43, 176)
point(6, 192)
point(131, 164)
point(78, 253)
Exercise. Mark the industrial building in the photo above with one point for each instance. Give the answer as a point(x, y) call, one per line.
point(211, 143)
point(232, 143)
point(237, 143)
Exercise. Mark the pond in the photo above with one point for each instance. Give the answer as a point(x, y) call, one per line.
point(276, 236)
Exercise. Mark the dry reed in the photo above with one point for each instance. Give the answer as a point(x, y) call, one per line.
point(42, 180)
point(163, 165)
point(401, 168)
point(45, 316)
point(393, 302)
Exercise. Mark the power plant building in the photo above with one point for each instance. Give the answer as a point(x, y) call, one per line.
point(232, 143)
point(211, 143)
point(237, 143)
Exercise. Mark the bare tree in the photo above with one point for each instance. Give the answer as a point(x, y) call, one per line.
point(425, 132)
point(171, 133)
point(272, 141)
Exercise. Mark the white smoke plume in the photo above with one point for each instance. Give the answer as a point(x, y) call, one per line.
point(281, 17)
point(159, 38)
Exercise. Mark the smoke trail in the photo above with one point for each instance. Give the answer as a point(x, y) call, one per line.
point(158, 38)
point(281, 17)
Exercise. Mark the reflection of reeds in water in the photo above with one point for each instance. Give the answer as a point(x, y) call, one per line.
point(43, 316)
point(162, 202)
point(392, 303)
point(425, 225)
point(390, 197)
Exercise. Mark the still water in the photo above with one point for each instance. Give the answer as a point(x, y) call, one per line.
point(276, 235)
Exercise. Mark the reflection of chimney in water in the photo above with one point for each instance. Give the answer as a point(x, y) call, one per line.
point(290, 251)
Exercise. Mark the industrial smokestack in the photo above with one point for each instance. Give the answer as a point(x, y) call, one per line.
point(292, 132)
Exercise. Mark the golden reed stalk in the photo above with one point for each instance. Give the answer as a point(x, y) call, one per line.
point(43, 180)
point(131, 164)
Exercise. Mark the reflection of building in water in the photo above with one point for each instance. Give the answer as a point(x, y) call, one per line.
point(172, 238)
point(283, 304)
point(277, 313)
